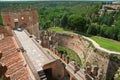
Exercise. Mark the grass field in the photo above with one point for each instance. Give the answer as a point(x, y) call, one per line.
point(107, 43)
point(103, 42)
point(58, 29)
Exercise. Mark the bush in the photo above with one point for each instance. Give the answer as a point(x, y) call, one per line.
point(118, 36)
point(1, 22)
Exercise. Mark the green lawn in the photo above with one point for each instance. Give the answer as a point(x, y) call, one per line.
point(107, 43)
point(70, 53)
point(58, 29)
point(117, 78)
point(103, 42)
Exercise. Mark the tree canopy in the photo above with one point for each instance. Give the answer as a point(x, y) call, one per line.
point(78, 16)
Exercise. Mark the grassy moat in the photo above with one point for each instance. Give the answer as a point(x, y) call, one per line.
point(70, 53)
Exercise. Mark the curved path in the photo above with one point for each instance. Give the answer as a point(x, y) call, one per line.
point(100, 48)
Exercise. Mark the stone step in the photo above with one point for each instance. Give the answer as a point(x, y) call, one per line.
point(42, 75)
point(44, 79)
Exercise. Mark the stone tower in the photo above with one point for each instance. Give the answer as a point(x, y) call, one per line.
point(23, 18)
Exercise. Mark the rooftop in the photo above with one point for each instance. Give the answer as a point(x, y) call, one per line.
point(13, 60)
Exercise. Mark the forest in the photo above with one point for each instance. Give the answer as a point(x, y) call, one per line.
point(79, 16)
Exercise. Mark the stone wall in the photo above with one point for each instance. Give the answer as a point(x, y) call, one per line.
point(90, 55)
point(25, 17)
point(33, 29)
point(4, 32)
point(58, 69)
point(76, 43)
point(99, 63)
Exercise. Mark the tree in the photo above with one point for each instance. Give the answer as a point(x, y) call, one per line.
point(118, 36)
point(77, 23)
point(103, 30)
point(93, 29)
point(1, 22)
point(64, 20)
point(46, 25)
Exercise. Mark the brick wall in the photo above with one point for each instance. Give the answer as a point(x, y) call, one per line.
point(26, 18)
point(58, 69)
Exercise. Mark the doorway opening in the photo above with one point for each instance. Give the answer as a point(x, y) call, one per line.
point(48, 73)
point(16, 23)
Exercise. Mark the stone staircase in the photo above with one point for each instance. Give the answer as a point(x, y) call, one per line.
point(42, 75)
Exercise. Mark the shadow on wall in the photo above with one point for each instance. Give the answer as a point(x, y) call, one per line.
point(113, 66)
point(3, 70)
point(56, 71)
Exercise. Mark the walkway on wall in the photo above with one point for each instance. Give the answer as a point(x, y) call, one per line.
point(37, 57)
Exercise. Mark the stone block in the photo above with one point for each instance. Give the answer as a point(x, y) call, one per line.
point(67, 59)
point(88, 69)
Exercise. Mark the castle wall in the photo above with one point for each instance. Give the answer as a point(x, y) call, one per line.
point(26, 18)
point(90, 55)
point(58, 69)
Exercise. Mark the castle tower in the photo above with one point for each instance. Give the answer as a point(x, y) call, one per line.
point(22, 18)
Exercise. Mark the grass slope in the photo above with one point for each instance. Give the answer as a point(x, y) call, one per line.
point(117, 78)
point(70, 53)
point(107, 43)
point(103, 42)
point(59, 30)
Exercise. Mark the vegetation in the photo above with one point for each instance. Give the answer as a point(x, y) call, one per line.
point(82, 17)
point(107, 43)
point(58, 29)
point(117, 78)
point(71, 54)
point(69, 17)
point(76, 16)
point(114, 58)
point(1, 22)
point(77, 23)
point(103, 42)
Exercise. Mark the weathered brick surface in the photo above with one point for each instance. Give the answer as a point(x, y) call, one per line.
point(12, 59)
point(58, 70)
point(27, 18)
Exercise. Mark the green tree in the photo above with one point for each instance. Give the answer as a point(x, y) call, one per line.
point(64, 20)
point(93, 29)
point(77, 23)
point(1, 22)
point(118, 36)
point(103, 30)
